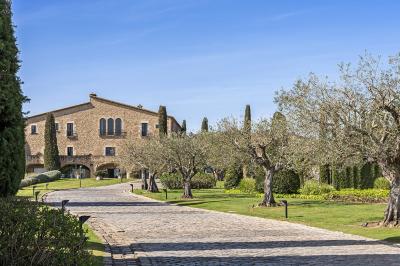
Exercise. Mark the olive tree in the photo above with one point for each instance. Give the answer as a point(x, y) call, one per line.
point(361, 111)
point(266, 145)
point(144, 154)
point(186, 154)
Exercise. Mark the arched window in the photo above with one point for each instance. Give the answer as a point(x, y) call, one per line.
point(110, 126)
point(102, 128)
point(118, 126)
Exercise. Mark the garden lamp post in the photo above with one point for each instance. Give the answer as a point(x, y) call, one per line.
point(131, 188)
point(285, 203)
point(33, 190)
point(63, 203)
point(80, 175)
point(82, 220)
point(37, 195)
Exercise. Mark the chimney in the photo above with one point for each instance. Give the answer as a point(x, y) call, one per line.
point(92, 95)
point(140, 106)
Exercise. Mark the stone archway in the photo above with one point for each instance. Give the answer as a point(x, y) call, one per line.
point(111, 170)
point(75, 171)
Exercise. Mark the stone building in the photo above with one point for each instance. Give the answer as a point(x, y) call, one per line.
point(91, 135)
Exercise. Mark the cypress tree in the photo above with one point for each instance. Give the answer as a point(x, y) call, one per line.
point(335, 178)
point(51, 156)
point(183, 127)
point(366, 176)
point(162, 121)
point(356, 174)
point(12, 138)
point(324, 173)
point(204, 125)
point(247, 118)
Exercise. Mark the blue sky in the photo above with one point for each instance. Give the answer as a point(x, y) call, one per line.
point(197, 57)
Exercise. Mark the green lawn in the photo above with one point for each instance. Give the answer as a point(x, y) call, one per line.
point(337, 216)
point(95, 244)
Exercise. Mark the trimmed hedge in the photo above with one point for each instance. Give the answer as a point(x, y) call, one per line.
point(285, 181)
point(35, 234)
point(175, 181)
point(40, 178)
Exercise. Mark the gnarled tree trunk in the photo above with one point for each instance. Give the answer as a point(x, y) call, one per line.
point(187, 189)
point(152, 183)
point(268, 200)
point(392, 212)
point(144, 180)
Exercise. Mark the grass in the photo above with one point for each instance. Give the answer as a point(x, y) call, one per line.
point(337, 216)
point(95, 244)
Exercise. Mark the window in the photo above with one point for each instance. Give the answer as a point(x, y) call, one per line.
point(118, 127)
point(33, 129)
point(110, 151)
point(102, 127)
point(56, 126)
point(70, 129)
point(70, 151)
point(110, 126)
point(144, 129)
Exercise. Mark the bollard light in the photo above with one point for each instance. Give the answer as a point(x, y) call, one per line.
point(63, 203)
point(37, 195)
point(285, 203)
point(166, 193)
point(82, 220)
point(33, 190)
point(131, 188)
point(47, 186)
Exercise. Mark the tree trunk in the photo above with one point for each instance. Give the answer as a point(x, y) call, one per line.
point(392, 213)
point(268, 200)
point(144, 180)
point(152, 183)
point(187, 189)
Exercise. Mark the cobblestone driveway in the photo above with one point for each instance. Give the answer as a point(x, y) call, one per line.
point(162, 234)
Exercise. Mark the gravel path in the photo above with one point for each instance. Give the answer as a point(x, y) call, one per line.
point(141, 231)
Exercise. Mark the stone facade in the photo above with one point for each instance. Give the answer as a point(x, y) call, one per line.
point(86, 140)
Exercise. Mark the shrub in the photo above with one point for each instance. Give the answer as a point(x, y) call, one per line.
point(359, 195)
point(233, 175)
point(32, 233)
point(247, 185)
point(324, 173)
point(40, 178)
point(313, 187)
point(101, 173)
point(203, 180)
point(381, 183)
point(175, 181)
point(286, 182)
point(171, 180)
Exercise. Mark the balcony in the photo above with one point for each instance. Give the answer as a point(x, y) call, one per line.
point(72, 135)
point(115, 135)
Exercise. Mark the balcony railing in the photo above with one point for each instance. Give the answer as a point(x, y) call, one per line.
point(120, 134)
point(72, 135)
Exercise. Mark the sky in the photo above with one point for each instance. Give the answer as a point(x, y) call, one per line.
point(200, 58)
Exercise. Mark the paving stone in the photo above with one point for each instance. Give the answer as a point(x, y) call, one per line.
point(162, 234)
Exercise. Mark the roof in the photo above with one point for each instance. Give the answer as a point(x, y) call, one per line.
point(89, 105)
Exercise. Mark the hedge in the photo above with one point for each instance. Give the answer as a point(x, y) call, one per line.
point(40, 178)
point(284, 181)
